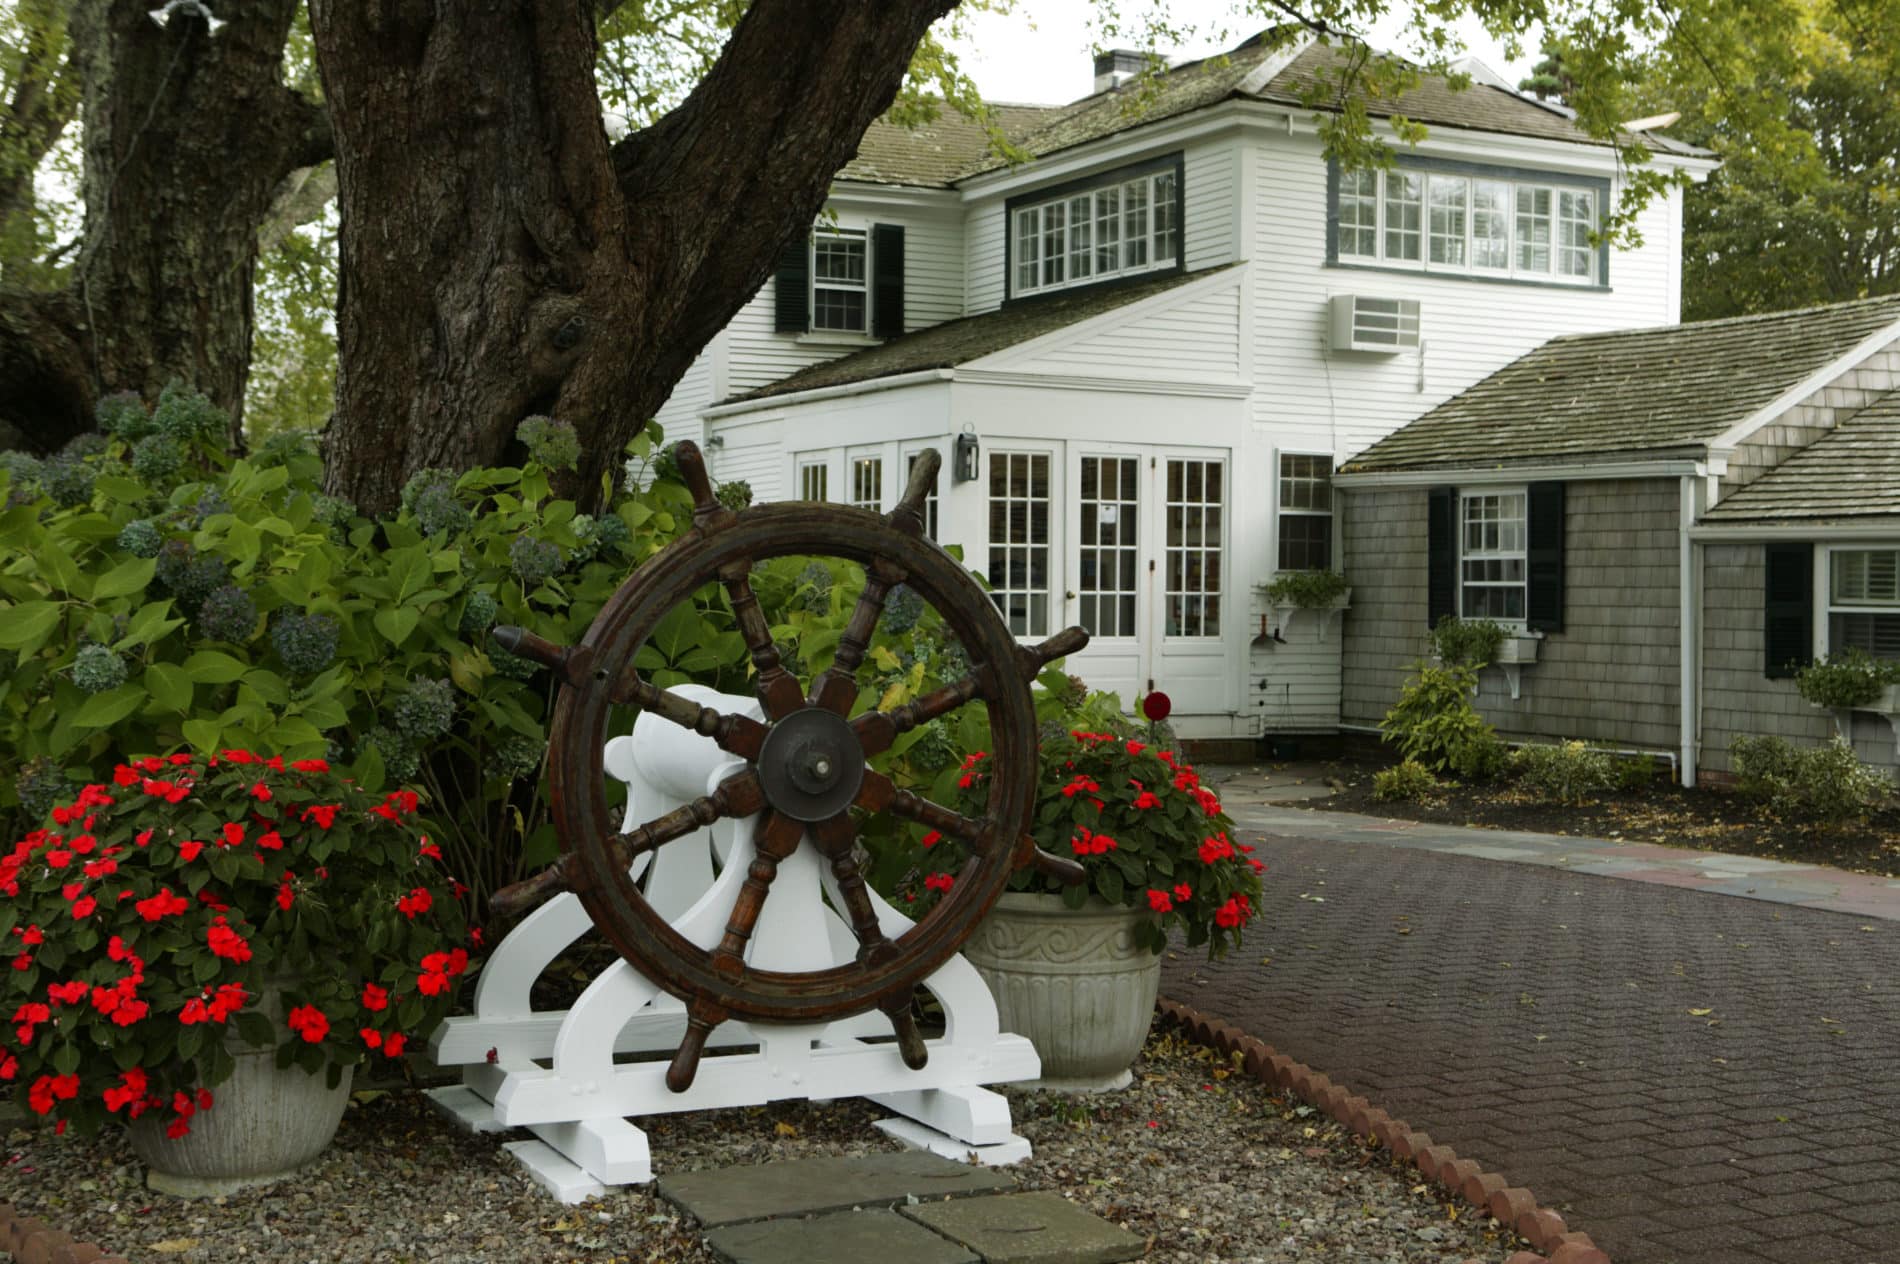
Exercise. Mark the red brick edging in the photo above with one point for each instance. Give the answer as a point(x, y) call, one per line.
point(1514, 1207)
point(31, 1241)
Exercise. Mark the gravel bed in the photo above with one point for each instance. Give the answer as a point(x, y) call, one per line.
point(1203, 1162)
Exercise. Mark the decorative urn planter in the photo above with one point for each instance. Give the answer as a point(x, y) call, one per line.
point(1073, 981)
point(265, 1123)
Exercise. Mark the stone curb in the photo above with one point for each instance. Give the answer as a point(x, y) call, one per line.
point(1512, 1206)
point(31, 1241)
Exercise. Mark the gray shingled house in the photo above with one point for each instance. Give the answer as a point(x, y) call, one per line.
point(1669, 521)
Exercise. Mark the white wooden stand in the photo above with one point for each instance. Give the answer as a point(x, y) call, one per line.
point(574, 1077)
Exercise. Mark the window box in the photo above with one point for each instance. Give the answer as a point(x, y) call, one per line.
point(1516, 651)
point(1886, 706)
point(1283, 613)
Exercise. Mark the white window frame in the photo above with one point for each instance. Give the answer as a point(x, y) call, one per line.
point(1219, 590)
point(1521, 553)
point(804, 465)
point(858, 463)
point(1281, 510)
point(862, 238)
point(1826, 606)
point(1057, 243)
point(1559, 248)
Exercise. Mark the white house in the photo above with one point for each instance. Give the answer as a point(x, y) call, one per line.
point(1143, 352)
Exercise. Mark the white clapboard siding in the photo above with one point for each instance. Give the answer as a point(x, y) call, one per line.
point(752, 451)
point(1208, 217)
point(679, 415)
point(1197, 340)
point(983, 230)
point(1344, 402)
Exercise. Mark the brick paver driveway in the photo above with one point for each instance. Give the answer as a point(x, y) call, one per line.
point(1690, 1078)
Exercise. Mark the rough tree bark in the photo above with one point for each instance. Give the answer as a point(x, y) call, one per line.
point(500, 257)
point(187, 138)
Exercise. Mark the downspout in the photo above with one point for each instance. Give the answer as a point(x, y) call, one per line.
point(1688, 618)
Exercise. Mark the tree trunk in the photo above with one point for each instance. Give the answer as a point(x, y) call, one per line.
point(499, 258)
point(187, 138)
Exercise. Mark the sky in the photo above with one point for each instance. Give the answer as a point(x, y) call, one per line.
point(1041, 53)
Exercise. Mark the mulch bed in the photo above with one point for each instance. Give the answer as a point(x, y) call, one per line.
point(1707, 819)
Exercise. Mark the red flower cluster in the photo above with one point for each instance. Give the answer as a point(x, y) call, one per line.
point(227, 943)
point(970, 774)
point(1216, 849)
point(309, 1022)
point(214, 1007)
point(437, 969)
point(1234, 913)
point(939, 882)
point(417, 901)
point(1087, 843)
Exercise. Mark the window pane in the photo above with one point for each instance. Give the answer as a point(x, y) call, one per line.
point(811, 481)
point(1054, 242)
point(841, 310)
point(1877, 634)
point(1404, 211)
point(1019, 540)
point(1866, 577)
point(1359, 214)
point(1028, 249)
point(1167, 232)
point(1448, 221)
point(1108, 230)
point(1107, 552)
point(1576, 218)
point(1081, 254)
point(1533, 229)
point(1192, 571)
point(1491, 557)
point(1135, 224)
point(867, 482)
point(1490, 224)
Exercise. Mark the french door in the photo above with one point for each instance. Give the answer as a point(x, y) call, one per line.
point(1144, 549)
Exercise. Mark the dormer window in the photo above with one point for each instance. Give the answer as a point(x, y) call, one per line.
point(1119, 224)
point(1461, 220)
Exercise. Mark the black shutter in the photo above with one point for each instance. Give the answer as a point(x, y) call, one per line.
point(792, 288)
point(1544, 557)
point(1788, 617)
point(1441, 551)
point(887, 280)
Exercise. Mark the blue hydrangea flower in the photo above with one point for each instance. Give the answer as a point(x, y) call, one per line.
point(96, 668)
point(534, 561)
point(425, 710)
point(141, 538)
point(305, 642)
point(228, 614)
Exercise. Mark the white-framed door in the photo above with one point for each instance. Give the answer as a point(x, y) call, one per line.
point(1192, 604)
point(1109, 589)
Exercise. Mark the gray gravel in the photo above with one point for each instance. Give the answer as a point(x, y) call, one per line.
point(1207, 1166)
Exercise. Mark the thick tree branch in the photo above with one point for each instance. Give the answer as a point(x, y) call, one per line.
point(46, 390)
point(740, 167)
point(311, 140)
point(44, 101)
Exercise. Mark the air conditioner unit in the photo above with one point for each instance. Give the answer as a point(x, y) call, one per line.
point(1364, 323)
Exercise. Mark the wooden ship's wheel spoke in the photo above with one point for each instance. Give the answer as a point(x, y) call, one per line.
point(805, 765)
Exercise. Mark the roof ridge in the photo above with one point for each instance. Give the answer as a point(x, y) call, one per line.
point(1727, 321)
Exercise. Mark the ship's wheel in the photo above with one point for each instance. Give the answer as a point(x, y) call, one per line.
point(806, 764)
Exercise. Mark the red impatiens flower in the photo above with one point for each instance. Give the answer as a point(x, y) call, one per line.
point(102, 868)
point(932, 838)
point(939, 882)
point(231, 833)
point(429, 849)
point(29, 1016)
point(32, 936)
point(1183, 892)
point(10, 1066)
point(1215, 849)
point(417, 901)
point(239, 757)
point(371, 1037)
point(393, 1043)
point(195, 1011)
point(375, 997)
point(271, 840)
point(1146, 799)
point(227, 943)
point(190, 849)
point(1231, 914)
point(1090, 844)
point(58, 858)
point(129, 1012)
point(49, 1088)
point(1135, 748)
point(308, 1021)
point(432, 984)
point(71, 993)
point(1159, 901)
point(84, 907)
point(285, 897)
point(324, 814)
point(1081, 782)
point(130, 1091)
point(311, 765)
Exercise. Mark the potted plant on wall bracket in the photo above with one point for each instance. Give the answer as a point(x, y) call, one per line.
point(1075, 969)
point(1325, 593)
point(1481, 643)
point(206, 948)
point(1853, 681)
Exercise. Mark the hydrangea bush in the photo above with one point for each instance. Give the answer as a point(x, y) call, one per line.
point(192, 600)
point(187, 906)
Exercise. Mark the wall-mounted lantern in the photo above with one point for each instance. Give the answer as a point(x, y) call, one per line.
point(966, 467)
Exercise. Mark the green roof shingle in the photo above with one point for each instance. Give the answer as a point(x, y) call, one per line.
point(933, 154)
point(960, 341)
point(1634, 391)
point(1851, 472)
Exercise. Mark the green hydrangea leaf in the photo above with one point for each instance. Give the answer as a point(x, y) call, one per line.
point(169, 686)
point(130, 576)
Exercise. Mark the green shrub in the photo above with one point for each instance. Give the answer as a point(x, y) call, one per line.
point(1826, 782)
point(1469, 643)
point(1435, 723)
point(1568, 772)
point(1406, 780)
point(1852, 679)
point(1309, 590)
point(227, 603)
point(1634, 773)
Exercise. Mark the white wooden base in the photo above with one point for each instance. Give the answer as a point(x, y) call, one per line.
point(578, 1077)
point(553, 1173)
point(998, 1154)
point(465, 1108)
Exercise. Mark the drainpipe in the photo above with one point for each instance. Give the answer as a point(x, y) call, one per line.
point(1688, 618)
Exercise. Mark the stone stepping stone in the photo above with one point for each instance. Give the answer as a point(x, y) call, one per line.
point(843, 1237)
point(806, 1187)
point(1041, 1228)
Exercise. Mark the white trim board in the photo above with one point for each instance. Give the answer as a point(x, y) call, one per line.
point(1579, 472)
point(1869, 346)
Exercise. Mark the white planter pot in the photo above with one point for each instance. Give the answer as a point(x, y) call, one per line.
point(1071, 980)
point(264, 1124)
